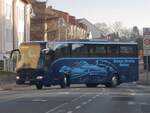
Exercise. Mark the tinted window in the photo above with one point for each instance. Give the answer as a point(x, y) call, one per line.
point(127, 50)
point(97, 50)
point(79, 50)
point(112, 50)
point(61, 50)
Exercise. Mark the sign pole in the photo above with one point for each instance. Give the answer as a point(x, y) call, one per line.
point(146, 48)
point(147, 77)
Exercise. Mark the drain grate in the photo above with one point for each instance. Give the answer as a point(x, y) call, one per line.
point(145, 108)
point(126, 98)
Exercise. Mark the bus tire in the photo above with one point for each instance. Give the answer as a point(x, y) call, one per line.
point(39, 86)
point(91, 85)
point(67, 80)
point(114, 82)
point(63, 82)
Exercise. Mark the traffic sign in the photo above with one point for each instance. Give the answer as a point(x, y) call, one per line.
point(146, 43)
point(146, 31)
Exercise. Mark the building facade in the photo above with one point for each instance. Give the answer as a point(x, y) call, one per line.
point(91, 28)
point(50, 24)
point(14, 25)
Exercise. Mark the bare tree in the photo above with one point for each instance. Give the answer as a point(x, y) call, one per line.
point(103, 27)
point(126, 33)
point(135, 33)
point(116, 27)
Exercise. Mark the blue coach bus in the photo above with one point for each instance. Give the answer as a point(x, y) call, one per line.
point(86, 62)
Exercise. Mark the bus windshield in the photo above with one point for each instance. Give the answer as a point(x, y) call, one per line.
point(30, 54)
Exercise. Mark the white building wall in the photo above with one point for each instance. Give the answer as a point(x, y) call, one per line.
point(92, 29)
point(8, 27)
point(14, 25)
point(19, 22)
point(27, 22)
point(1, 28)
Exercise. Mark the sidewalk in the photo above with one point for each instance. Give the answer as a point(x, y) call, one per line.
point(7, 82)
point(143, 79)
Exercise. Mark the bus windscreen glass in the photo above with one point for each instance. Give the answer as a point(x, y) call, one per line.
point(30, 54)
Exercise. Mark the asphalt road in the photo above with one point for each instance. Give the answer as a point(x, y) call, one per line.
point(127, 98)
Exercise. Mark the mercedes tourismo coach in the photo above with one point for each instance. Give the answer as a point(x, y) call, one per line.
point(84, 62)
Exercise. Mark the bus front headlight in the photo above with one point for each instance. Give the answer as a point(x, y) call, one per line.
point(17, 77)
point(39, 77)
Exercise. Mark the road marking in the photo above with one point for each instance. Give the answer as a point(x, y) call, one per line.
point(70, 112)
point(141, 86)
point(97, 95)
point(84, 103)
point(78, 98)
point(65, 93)
point(144, 103)
point(90, 100)
point(77, 107)
point(39, 100)
point(94, 97)
point(131, 103)
point(58, 107)
point(60, 111)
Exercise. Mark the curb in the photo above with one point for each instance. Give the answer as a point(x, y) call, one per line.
point(143, 82)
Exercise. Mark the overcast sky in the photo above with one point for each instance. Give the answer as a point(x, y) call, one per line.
point(130, 12)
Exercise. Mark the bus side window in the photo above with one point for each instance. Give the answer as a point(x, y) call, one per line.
point(127, 50)
point(97, 50)
point(112, 50)
point(61, 50)
point(79, 50)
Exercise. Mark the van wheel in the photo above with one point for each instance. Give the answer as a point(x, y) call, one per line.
point(39, 86)
point(20, 82)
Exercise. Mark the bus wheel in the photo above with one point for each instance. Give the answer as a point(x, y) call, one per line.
point(63, 82)
point(91, 85)
point(114, 81)
point(39, 86)
point(67, 80)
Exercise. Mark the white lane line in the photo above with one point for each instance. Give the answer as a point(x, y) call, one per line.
point(132, 92)
point(56, 108)
point(65, 93)
point(78, 98)
point(70, 112)
point(144, 103)
point(131, 103)
point(77, 107)
point(89, 100)
point(94, 97)
point(39, 100)
point(13, 98)
point(141, 86)
point(84, 103)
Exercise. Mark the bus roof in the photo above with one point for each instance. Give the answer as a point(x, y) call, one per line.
point(95, 42)
point(83, 42)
